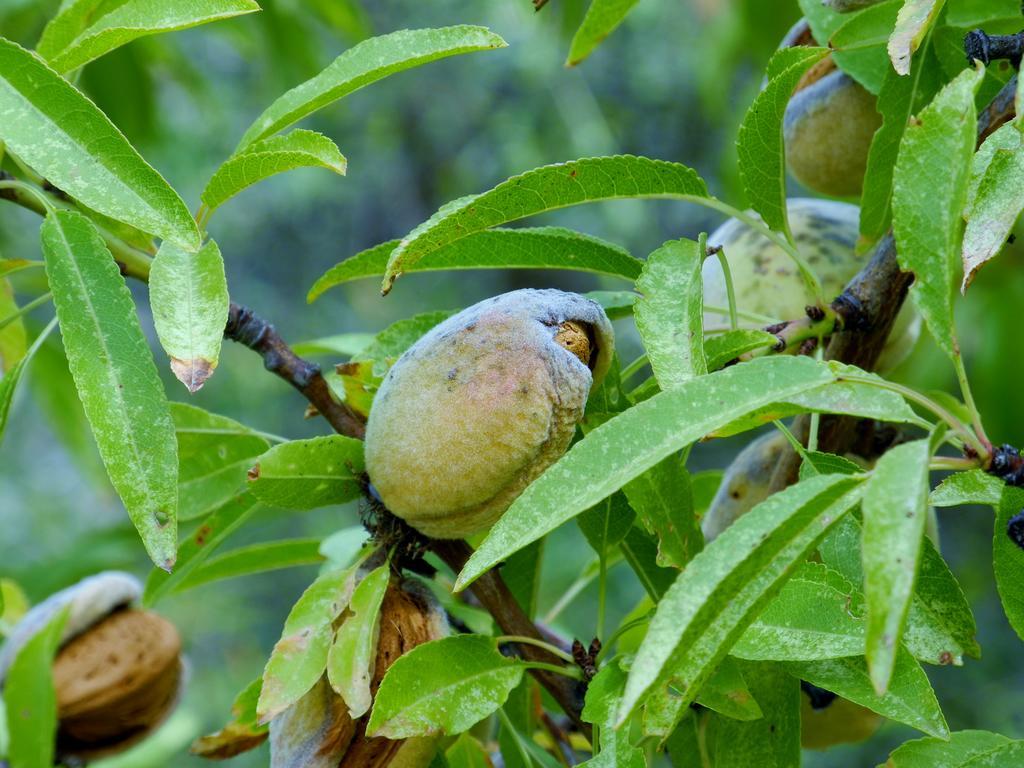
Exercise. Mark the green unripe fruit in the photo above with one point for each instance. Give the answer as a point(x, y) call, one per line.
point(481, 405)
point(766, 279)
point(828, 128)
point(747, 482)
point(838, 722)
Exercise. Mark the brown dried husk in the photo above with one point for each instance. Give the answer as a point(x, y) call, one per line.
point(116, 682)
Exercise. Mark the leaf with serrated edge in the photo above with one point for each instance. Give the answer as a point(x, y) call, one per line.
point(712, 601)
point(773, 740)
point(895, 507)
point(305, 474)
point(87, 29)
point(255, 558)
point(602, 17)
point(663, 500)
point(188, 294)
point(633, 442)
point(669, 316)
point(444, 686)
point(723, 348)
point(365, 63)
point(264, 158)
point(116, 378)
point(760, 147)
point(959, 751)
point(912, 23)
point(909, 700)
point(350, 662)
point(976, 486)
point(300, 657)
point(545, 189)
point(50, 125)
point(521, 248)
point(860, 45)
point(1008, 559)
point(930, 186)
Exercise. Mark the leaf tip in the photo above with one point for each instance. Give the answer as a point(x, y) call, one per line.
point(192, 373)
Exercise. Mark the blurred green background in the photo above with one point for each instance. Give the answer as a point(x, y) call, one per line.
point(671, 83)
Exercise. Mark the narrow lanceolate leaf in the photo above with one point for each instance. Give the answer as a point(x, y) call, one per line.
point(772, 740)
point(633, 442)
point(255, 558)
point(909, 700)
point(544, 189)
point(722, 589)
point(601, 703)
point(116, 378)
point(188, 294)
point(300, 657)
point(30, 700)
point(728, 346)
point(930, 187)
point(12, 334)
point(670, 315)
point(995, 208)
point(350, 661)
point(264, 158)
point(818, 614)
point(963, 749)
point(897, 100)
point(304, 474)
point(912, 24)
point(760, 147)
point(54, 128)
point(214, 455)
point(895, 508)
point(195, 550)
point(1008, 556)
point(860, 45)
point(417, 694)
point(972, 487)
point(365, 63)
point(603, 16)
point(526, 248)
point(10, 379)
point(663, 500)
point(84, 30)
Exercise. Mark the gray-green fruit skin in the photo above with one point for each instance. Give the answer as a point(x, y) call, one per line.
point(479, 407)
point(747, 482)
point(767, 282)
point(849, 6)
point(828, 128)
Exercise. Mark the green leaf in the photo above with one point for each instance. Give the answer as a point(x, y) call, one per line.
point(350, 662)
point(912, 24)
point(994, 209)
point(818, 614)
point(669, 316)
point(365, 63)
point(189, 297)
point(30, 700)
point(860, 45)
point(818, 463)
point(300, 657)
point(940, 626)
point(602, 700)
point(724, 587)
point(305, 474)
point(64, 136)
point(239, 735)
point(975, 486)
point(633, 442)
point(14, 604)
point(544, 189)
point(909, 700)
point(663, 500)
point(603, 16)
point(606, 523)
point(277, 154)
point(10, 379)
point(616, 304)
point(963, 749)
point(760, 147)
point(524, 248)
point(84, 30)
point(419, 692)
point(344, 344)
point(773, 740)
point(640, 550)
point(895, 507)
point(116, 378)
point(898, 98)
point(465, 752)
point(194, 550)
point(727, 346)
point(1008, 559)
point(727, 693)
point(214, 454)
point(10, 266)
point(388, 345)
point(930, 186)
point(12, 334)
point(255, 558)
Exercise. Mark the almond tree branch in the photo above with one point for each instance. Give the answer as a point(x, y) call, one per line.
point(868, 308)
